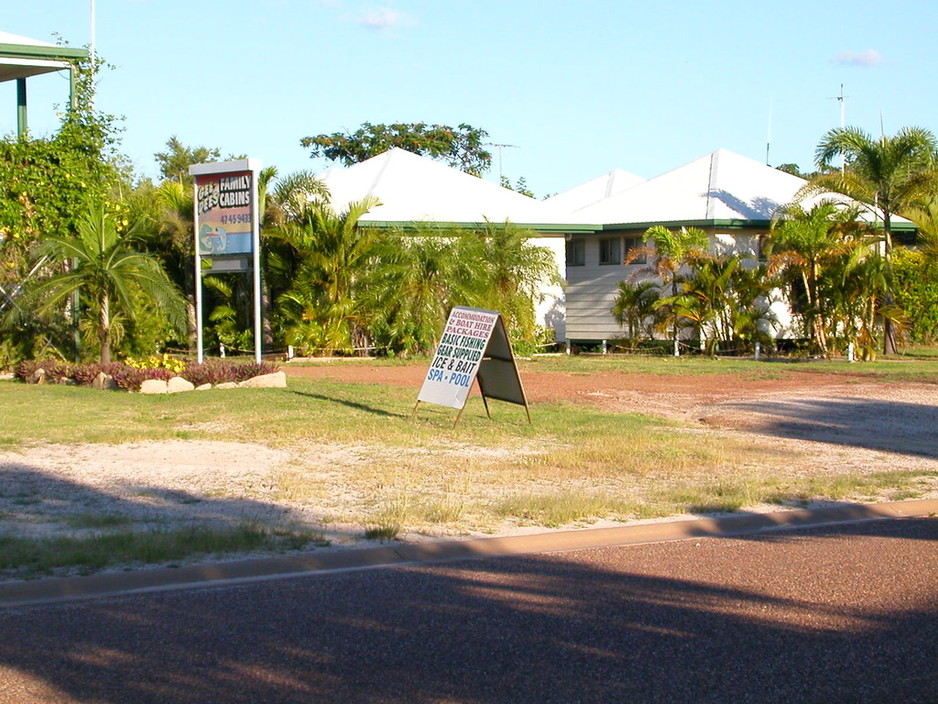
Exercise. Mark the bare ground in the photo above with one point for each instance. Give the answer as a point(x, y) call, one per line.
point(817, 421)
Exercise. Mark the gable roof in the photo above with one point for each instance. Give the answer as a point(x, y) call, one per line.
point(720, 186)
point(413, 188)
point(595, 190)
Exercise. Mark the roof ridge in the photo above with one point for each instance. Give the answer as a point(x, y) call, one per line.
point(712, 177)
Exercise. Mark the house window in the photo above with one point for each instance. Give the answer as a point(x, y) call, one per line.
point(576, 252)
point(610, 250)
point(634, 251)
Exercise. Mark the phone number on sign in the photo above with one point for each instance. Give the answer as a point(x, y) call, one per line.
point(235, 219)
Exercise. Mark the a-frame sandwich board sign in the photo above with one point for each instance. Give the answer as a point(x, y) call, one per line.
point(474, 346)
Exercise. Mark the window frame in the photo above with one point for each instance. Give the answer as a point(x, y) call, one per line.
point(614, 257)
point(575, 246)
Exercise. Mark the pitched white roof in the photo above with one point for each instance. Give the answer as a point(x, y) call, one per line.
point(10, 38)
point(721, 185)
point(595, 190)
point(414, 188)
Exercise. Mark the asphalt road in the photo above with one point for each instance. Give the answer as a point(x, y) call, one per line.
point(843, 614)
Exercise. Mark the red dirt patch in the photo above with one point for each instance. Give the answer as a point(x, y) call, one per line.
point(547, 386)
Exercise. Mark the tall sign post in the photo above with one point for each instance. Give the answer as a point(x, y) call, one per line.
point(474, 347)
point(227, 230)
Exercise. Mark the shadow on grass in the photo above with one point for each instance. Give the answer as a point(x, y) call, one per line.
point(890, 426)
point(779, 619)
point(56, 523)
point(356, 405)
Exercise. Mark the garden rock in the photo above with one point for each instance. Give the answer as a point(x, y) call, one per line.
point(277, 380)
point(104, 382)
point(178, 384)
point(203, 387)
point(154, 386)
point(227, 385)
point(38, 376)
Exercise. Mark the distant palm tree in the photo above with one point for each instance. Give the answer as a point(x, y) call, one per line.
point(103, 267)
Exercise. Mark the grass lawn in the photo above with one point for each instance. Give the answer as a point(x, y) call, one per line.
point(574, 465)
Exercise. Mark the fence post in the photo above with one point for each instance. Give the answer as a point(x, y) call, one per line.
point(758, 349)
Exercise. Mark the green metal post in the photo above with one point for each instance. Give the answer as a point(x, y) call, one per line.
point(21, 124)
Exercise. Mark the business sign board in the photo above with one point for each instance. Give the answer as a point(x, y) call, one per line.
point(227, 228)
point(474, 347)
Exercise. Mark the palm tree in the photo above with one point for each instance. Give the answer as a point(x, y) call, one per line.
point(805, 243)
point(107, 273)
point(634, 306)
point(672, 251)
point(501, 270)
point(925, 217)
point(335, 255)
point(412, 290)
point(889, 175)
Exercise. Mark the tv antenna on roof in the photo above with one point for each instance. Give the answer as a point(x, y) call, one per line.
point(500, 147)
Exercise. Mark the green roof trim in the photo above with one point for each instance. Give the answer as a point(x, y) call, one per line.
point(727, 225)
point(546, 228)
point(48, 53)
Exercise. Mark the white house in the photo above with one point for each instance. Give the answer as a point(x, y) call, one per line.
point(590, 227)
point(416, 189)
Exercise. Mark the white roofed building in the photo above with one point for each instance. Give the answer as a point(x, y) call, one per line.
point(590, 227)
point(729, 196)
point(416, 189)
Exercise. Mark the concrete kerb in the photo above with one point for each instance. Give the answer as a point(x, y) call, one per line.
point(251, 570)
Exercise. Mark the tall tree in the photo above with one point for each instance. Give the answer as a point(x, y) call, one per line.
point(101, 264)
point(174, 163)
point(462, 147)
point(888, 174)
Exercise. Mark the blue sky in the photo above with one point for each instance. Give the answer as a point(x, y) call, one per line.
point(580, 88)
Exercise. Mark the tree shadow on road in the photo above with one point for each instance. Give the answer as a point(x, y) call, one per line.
point(763, 620)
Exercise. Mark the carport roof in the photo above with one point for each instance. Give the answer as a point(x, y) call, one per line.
point(22, 57)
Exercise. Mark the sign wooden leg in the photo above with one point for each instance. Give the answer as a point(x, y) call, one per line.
point(414, 414)
point(486, 404)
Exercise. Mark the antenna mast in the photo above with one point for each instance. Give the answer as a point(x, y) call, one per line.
point(768, 138)
point(842, 99)
point(500, 147)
